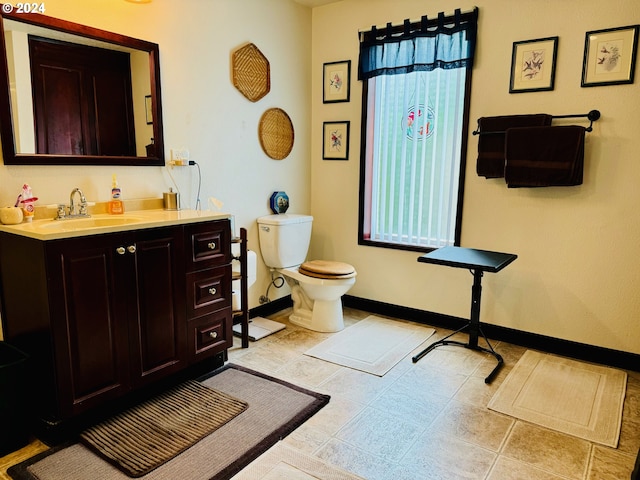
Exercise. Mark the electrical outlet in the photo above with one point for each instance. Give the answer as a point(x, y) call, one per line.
point(180, 156)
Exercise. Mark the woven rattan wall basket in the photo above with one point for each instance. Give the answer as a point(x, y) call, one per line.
point(276, 133)
point(251, 72)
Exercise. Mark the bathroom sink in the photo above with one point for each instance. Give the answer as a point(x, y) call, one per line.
point(90, 222)
point(101, 223)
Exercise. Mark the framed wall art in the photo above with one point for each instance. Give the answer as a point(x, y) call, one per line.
point(148, 107)
point(610, 56)
point(533, 65)
point(337, 82)
point(335, 140)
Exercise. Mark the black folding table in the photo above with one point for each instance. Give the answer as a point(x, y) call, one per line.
point(478, 262)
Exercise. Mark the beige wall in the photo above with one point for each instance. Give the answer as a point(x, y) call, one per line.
point(576, 277)
point(203, 111)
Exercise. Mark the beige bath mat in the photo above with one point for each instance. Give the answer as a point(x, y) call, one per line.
point(259, 327)
point(283, 462)
point(373, 345)
point(566, 395)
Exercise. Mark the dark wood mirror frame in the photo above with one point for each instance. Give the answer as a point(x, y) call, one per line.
point(11, 157)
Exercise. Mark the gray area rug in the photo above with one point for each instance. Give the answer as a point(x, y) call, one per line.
point(276, 408)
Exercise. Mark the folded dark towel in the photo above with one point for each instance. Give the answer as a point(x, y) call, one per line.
point(544, 156)
point(490, 162)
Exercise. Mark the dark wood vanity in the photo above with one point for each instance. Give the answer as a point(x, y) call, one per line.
point(102, 316)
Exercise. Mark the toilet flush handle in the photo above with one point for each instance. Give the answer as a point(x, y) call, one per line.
point(264, 228)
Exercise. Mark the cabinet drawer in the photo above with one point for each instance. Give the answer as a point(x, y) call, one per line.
point(210, 244)
point(208, 290)
point(210, 334)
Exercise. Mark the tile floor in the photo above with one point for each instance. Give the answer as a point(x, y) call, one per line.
point(429, 420)
point(424, 421)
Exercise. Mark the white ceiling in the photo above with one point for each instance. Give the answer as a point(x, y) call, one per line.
point(315, 3)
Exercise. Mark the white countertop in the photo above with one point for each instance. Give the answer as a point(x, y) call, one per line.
point(98, 224)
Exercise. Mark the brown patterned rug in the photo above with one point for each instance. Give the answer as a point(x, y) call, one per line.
point(146, 436)
point(276, 408)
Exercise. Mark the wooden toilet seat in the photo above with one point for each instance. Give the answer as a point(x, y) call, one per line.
point(327, 269)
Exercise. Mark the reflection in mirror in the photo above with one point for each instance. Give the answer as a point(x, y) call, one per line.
point(103, 116)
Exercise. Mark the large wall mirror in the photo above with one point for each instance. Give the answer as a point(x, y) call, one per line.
point(76, 95)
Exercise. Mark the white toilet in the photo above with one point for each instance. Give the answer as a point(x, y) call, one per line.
point(316, 286)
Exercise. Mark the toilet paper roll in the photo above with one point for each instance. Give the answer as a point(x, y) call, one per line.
point(252, 266)
point(235, 300)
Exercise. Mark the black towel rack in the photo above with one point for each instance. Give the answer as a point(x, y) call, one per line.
point(593, 115)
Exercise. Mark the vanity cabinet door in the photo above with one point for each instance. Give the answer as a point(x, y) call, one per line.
point(88, 317)
point(209, 334)
point(157, 307)
point(208, 290)
point(117, 313)
point(209, 245)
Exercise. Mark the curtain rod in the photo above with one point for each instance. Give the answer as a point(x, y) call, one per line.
point(433, 19)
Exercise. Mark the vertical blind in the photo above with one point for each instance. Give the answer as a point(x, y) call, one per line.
point(415, 88)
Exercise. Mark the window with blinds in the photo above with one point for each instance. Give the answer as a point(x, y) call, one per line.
point(415, 93)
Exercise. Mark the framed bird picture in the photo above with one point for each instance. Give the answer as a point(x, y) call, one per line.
point(533, 65)
point(610, 56)
point(335, 144)
point(336, 81)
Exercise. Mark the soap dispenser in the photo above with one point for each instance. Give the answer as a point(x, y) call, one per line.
point(115, 204)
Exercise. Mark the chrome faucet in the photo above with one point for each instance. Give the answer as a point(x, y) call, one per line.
point(72, 205)
point(73, 211)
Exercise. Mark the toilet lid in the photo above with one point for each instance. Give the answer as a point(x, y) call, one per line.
point(327, 269)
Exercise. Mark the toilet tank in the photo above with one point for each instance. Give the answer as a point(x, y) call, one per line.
point(284, 239)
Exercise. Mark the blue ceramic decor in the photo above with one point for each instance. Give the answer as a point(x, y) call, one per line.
point(279, 202)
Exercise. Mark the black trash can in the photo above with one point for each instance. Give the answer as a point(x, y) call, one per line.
point(14, 433)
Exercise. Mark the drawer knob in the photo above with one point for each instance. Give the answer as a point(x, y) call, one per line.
point(213, 334)
point(131, 249)
point(211, 245)
point(212, 290)
point(120, 251)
